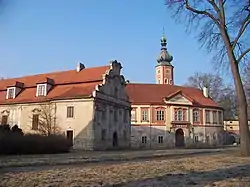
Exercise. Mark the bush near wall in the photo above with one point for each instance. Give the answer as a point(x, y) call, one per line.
point(13, 141)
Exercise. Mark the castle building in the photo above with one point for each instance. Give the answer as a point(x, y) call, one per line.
point(166, 115)
point(89, 105)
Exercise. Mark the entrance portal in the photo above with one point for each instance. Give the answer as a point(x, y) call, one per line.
point(115, 139)
point(179, 138)
point(70, 137)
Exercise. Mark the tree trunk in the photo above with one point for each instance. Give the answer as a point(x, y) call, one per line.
point(241, 98)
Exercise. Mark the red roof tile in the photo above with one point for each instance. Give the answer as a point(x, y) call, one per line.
point(155, 94)
point(66, 84)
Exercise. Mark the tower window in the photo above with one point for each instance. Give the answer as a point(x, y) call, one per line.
point(159, 71)
point(166, 81)
point(167, 71)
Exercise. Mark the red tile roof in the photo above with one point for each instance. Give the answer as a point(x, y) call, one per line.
point(155, 94)
point(66, 84)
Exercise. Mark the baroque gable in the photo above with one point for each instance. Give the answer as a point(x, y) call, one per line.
point(113, 84)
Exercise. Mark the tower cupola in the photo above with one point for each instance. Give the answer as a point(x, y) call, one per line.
point(164, 68)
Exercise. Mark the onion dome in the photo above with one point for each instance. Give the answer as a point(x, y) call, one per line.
point(164, 58)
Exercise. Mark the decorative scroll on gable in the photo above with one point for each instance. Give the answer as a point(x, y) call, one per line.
point(113, 78)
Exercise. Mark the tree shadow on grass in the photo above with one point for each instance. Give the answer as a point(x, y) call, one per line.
point(205, 178)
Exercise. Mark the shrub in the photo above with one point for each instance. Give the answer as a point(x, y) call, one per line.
point(12, 141)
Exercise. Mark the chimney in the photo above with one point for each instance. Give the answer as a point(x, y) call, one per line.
point(79, 67)
point(205, 92)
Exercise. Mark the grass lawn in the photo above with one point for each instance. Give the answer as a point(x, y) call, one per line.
point(215, 169)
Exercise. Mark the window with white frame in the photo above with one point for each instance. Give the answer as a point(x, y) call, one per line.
point(214, 117)
point(133, 115)
point(196, 116)
point(144, 139)
point(70, 112)
point(160, 139)
point(11, 93)
point(207, 115)
point(144, 115)
point(160, 115)
point(41, 90)
point(178, 116)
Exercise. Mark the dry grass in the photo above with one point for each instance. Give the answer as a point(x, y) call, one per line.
point(223, 170)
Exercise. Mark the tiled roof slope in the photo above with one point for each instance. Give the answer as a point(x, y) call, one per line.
point(155, 94)
point(67, 84)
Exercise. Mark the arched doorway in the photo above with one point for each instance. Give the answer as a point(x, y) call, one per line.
point(115, 139)
point(179, 138)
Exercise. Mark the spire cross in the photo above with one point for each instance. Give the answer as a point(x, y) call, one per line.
point(163, 31)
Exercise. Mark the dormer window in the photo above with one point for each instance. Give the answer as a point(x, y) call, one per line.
point(44, 86)
point(41, 90)
point(11, 93)
point(14, 89)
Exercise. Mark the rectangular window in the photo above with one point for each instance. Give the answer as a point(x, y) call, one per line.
point(196, 138)
point(116, 92)
point(103, 114)
point(214, 117)
point(10, 93)
point(133, 115)
point(207, 113)
point(103, 134)
point(160, 139)
point(144, 139)
point(144, 116)
point(220, 117)
point(4, 120)
point(41, 91)
point(178, 116)
point(35, 122)
point(70, 112)
point(115, 115)
point(160, 115)
point(125, 116)
point(196, 117)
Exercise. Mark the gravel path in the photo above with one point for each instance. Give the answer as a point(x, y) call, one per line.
point(215, 169)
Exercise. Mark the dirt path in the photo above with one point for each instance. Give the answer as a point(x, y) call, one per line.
point(214, 169)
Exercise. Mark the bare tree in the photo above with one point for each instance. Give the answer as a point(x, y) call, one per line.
point(213, 82)
point(223, 28)
point(223, 94)
point(47, 121)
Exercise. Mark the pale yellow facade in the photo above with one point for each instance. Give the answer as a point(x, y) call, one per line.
point(95, 121)
point(233, 126)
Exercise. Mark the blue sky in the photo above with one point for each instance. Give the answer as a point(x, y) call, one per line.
point(38, 36)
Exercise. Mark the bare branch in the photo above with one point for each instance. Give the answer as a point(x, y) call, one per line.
point(243, 55)
point(47, 120)
point(241, 30)
point(202, 12)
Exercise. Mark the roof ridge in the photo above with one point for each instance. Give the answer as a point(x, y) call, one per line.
point(52, 72)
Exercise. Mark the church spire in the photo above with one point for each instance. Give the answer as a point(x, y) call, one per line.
point(163, 40)
point(164, 58)
point(164, 68)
